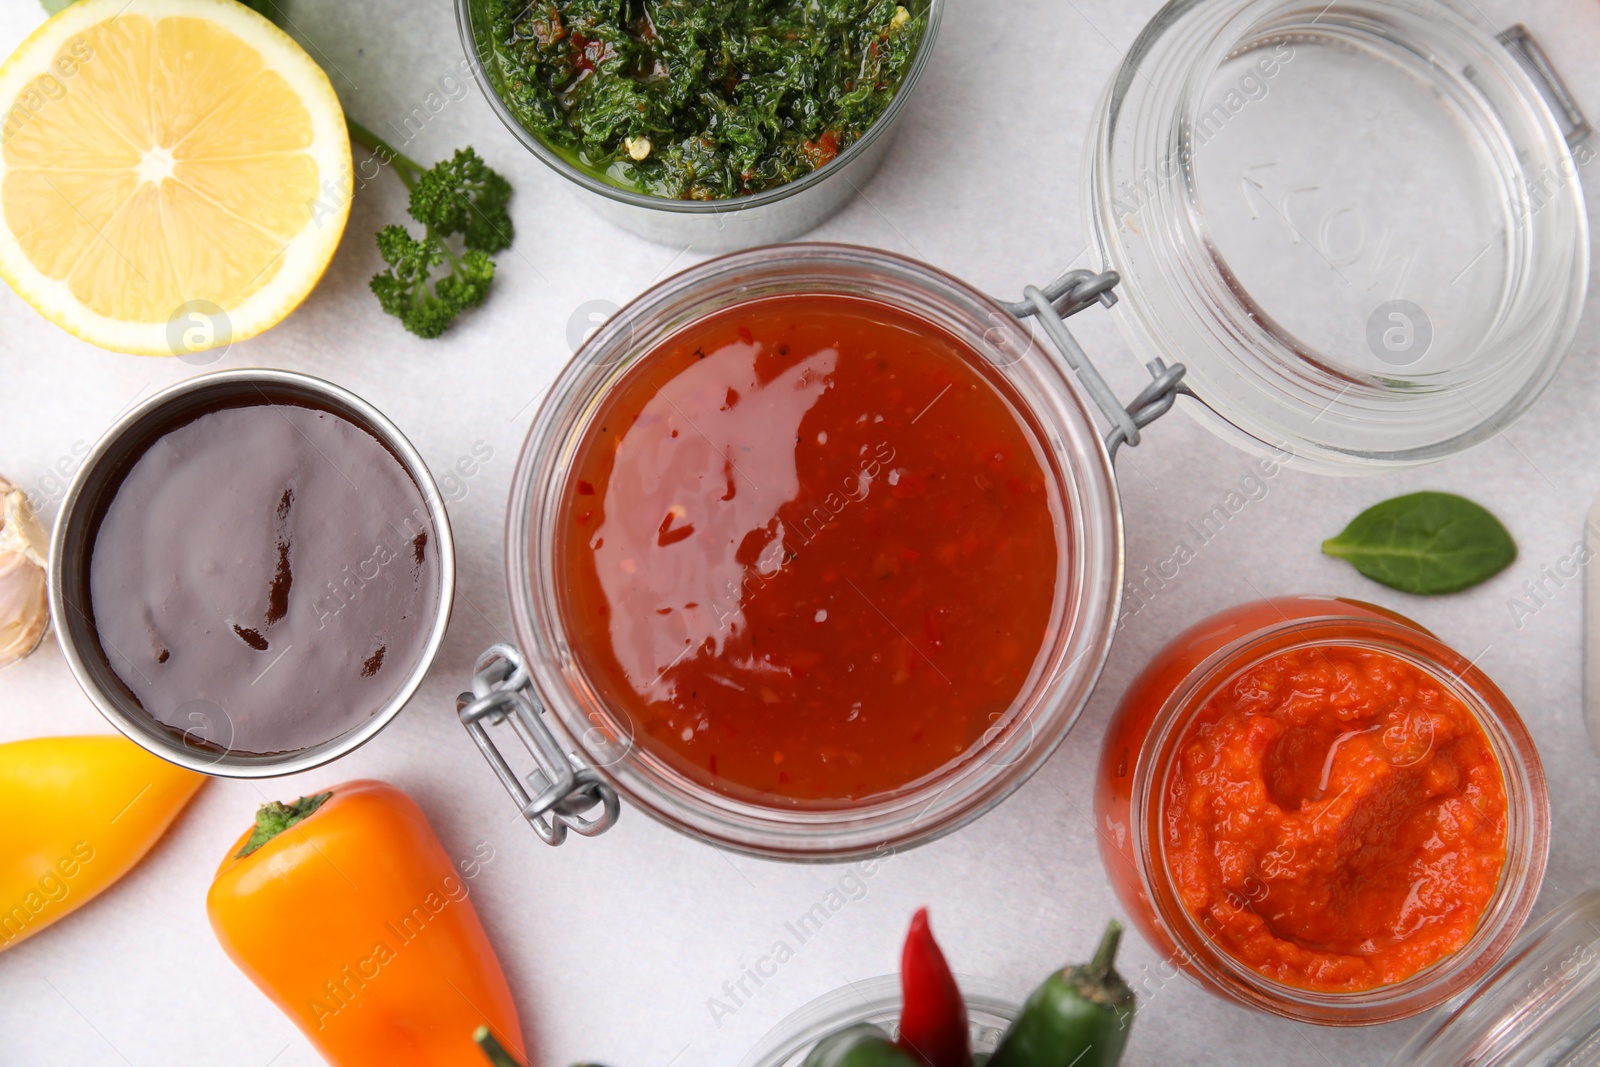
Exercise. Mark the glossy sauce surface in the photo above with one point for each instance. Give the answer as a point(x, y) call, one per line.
point(808, 552)
point(1336, 819)
point(264, 577)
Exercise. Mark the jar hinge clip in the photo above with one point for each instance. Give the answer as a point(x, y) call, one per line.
point(561, 788)
point(1070, 294)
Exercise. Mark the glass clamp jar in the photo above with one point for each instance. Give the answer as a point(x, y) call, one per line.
point(1267, 269)
point(577, 766)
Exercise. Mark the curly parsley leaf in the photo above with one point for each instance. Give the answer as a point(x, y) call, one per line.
point(459, 197)
point(408, 291)
point(463, 196)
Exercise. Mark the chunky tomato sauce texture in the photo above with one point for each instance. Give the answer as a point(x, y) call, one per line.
point(1336, 819)
point(809, 551)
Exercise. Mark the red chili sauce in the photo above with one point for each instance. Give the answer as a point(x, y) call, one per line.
point(809, 549)
point(1336, 819)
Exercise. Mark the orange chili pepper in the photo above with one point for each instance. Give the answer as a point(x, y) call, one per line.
point(347, 912)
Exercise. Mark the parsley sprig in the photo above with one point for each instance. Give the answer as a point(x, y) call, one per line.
point(459, 197)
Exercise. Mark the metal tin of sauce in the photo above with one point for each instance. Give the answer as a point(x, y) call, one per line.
point(253, 572)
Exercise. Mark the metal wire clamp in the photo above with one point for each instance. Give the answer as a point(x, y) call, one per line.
point(1065, 297)
point(561, 788)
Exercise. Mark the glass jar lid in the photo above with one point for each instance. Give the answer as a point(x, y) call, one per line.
point(1539, 1008)
point(1358, 224)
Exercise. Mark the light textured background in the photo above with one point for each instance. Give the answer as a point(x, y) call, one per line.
point(615, 945)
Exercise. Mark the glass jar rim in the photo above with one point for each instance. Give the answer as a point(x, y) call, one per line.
point(1063, 420)
point(1536, 1003)
point(1527, 835)
point(867, 1000)
point(1252, 380)
point(589, 182)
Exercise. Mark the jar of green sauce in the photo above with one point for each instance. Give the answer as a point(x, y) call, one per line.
point(713, 123)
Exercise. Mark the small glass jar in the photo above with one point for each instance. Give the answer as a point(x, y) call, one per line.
point(990, 1011)
point(1052, 409)
point(1140, 754)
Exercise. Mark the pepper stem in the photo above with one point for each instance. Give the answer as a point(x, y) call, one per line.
point(273, 818)
point(493, 1049)
point(1105, 956)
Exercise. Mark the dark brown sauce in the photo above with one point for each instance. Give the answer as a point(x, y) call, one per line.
point(262, 578)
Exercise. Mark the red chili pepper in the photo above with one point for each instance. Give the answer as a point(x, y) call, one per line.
point(933, 1020)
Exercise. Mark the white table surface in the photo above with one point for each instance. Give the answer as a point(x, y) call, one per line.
point(616, 945)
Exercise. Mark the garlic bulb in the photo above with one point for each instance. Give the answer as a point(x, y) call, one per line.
point(24, 601)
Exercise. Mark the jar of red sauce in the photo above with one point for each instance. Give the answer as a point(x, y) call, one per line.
point(1315, 807)
point(768, 498)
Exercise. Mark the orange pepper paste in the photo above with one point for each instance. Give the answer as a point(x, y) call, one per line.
point(809, 549)
point(1336, 819)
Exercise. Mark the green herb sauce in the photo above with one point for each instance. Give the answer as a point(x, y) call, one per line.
point(700, 99)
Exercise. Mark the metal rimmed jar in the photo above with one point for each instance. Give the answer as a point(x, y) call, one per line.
point(1359, 224)
point(877, 1001)
point(1059, 415)
point(715, 225)
point(1155, 720)
point(97, 480)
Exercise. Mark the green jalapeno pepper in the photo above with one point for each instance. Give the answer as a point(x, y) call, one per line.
point(1078, 1017)
point(862, 1045)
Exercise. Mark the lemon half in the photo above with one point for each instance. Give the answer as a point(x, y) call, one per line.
point(173, 173)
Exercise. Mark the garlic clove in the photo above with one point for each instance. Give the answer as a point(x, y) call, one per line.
point(24, 593)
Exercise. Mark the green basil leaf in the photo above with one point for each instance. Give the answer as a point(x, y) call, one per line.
point(1425, 543)
point(52, 7)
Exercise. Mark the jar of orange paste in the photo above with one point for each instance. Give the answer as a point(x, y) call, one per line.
point(1317, 808)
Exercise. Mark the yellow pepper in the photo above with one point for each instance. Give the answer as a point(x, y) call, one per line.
point(80, 812)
